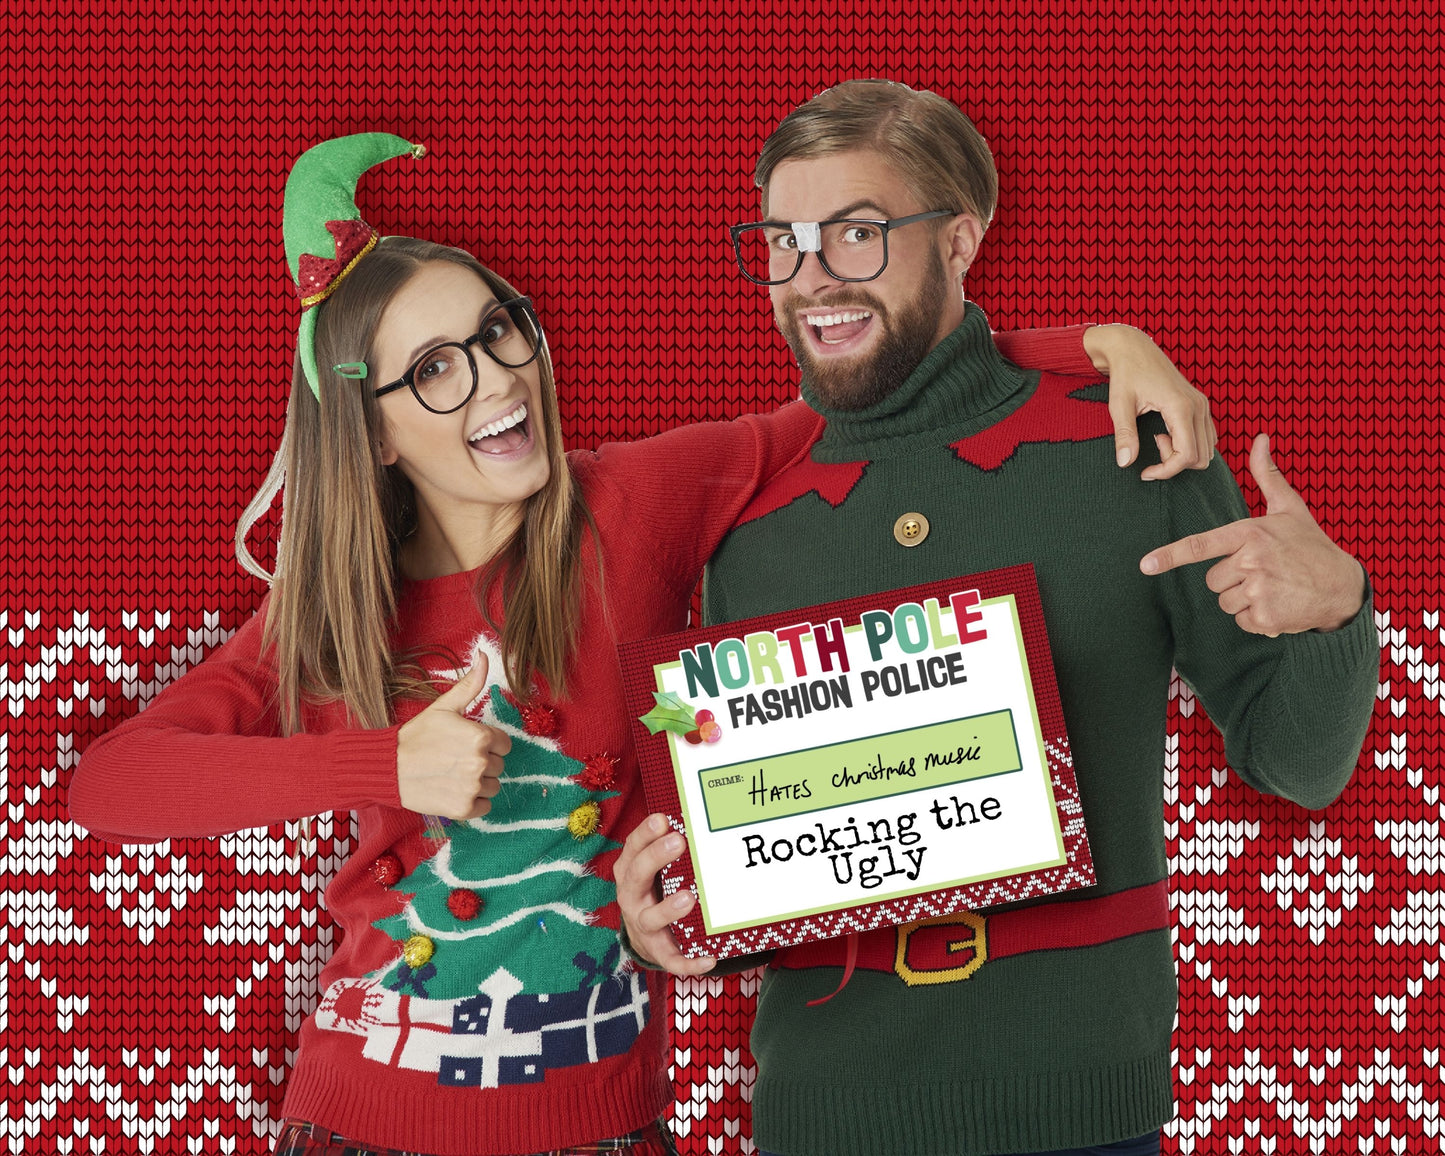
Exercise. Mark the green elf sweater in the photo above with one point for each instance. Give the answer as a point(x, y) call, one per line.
point(1052, 1047)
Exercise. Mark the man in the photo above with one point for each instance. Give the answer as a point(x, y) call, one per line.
point(875, 200)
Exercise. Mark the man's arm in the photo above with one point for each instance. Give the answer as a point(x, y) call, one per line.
point(1280, 574)
point(647, 916)
point(1278, 640)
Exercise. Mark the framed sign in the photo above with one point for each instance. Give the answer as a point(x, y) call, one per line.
point(860, 763)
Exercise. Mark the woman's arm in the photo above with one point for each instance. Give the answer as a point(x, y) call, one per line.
point(677, 494)
point(712, 470)
point(207, 758)
point(1141, 380)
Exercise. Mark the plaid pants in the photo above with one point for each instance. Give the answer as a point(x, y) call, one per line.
point(299, 1138)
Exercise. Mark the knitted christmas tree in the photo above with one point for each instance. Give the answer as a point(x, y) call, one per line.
point(512, 890)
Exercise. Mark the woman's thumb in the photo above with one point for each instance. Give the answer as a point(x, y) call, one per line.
point(460, 694)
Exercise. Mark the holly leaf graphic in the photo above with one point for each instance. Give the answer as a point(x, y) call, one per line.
point(670, 714)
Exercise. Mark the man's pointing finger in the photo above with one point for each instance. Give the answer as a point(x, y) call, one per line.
point(1216, 543)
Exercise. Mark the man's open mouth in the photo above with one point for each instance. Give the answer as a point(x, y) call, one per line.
point(838, 330)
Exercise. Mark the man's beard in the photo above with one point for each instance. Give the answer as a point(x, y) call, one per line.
point(906, 338)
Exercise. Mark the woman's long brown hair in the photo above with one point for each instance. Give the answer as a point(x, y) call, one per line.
point(344, 516)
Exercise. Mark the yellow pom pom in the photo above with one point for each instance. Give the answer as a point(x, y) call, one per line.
point(584, 820)
point(416, 951)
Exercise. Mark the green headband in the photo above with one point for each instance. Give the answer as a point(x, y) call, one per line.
point(325, 235)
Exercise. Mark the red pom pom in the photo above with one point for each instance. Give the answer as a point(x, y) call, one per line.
point(599, 773)
point(387, 869)
point(464, 903)
point(539, 720)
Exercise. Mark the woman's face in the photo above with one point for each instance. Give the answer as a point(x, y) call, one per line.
point(454, 465)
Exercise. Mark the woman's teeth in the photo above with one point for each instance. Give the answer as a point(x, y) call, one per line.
point(501, 425)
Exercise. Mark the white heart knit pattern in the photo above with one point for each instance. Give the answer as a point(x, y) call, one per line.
point(1281, 918)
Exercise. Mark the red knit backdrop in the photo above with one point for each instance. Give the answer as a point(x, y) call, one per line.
point(1258, 189)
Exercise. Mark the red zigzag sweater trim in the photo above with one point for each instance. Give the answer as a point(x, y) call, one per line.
point(1052, 414)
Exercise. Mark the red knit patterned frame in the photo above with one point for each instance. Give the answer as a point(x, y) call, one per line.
point(1256, 185)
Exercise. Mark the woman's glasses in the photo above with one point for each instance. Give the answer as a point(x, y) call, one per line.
point(444, 378)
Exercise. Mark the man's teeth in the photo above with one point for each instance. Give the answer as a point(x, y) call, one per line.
point(822, 321)
point(501, 425)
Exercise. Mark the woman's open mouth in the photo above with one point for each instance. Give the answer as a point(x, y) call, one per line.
point(509, 434)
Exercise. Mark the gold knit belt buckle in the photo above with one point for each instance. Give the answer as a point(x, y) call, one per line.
point(941, 950)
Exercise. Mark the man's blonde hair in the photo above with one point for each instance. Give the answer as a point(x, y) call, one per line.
point(942, 158)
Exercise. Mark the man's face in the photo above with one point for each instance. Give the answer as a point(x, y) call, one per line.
point(857, 341)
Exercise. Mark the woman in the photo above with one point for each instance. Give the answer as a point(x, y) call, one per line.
point(434, 532)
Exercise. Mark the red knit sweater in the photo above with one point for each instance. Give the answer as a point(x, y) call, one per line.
point(476, 1003)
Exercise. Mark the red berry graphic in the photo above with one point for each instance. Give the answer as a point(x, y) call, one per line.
point(538, 719)
point(693, 737)
point(387, 869)
point(464, 903)
point(599, 772)
point(703, 716)
point(710, 732)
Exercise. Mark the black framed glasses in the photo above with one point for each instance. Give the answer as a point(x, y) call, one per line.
point(848, 248)
point(444, 378)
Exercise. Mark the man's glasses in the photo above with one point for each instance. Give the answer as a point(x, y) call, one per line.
point(444, 378)
point(848, 248)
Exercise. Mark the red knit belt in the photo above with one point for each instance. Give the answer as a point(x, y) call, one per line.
point(950, 948)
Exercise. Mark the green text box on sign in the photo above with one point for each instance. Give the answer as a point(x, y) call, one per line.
point(841, 774)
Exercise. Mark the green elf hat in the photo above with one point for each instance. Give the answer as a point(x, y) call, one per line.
point(325, 235)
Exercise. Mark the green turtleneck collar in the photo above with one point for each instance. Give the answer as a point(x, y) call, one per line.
point(962, 386)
